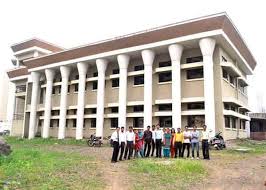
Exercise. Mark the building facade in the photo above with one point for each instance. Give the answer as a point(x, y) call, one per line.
point(188, 73)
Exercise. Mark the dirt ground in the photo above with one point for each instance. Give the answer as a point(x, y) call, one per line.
point(223, 174)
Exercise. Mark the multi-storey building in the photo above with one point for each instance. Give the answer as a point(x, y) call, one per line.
point(188, 73)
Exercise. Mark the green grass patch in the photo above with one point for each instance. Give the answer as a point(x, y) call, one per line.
point(165, 173)
point(34, 167)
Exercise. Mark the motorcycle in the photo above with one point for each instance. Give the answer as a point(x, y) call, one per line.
point(218, 141)
point(94, 141)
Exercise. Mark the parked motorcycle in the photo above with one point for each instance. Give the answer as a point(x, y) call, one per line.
point(218, 141)
point(94, 141)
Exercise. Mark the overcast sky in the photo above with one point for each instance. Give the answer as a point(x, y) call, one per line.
point(75, 22)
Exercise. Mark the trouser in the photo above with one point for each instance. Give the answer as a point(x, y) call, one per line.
point(178, 149)
point(122, 148)
point(152, 147)
point(205, 149)
point(115, 151)
point(166, 152)
point(195, 145)
point(147, 147)
point(172, 149)
point(158, 143)
point(129, 150)
point(186, 146)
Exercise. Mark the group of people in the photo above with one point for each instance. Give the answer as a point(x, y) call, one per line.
point(135, 143)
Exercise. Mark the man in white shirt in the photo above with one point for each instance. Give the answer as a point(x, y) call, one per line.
point(115, 139)
point(205, 136)
point(130, 142)
point(158, 141)
point(186, 143)
point(122, 142)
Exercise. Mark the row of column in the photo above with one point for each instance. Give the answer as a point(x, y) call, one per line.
point(207, 46)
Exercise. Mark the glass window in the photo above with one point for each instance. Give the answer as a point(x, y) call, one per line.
point(95, 74)
point(165, 77)
point(74, 123)
point(76, 87)
point(165, 122)
point(194, 59)
point(226, 106)
point(76, 77)
point(53, 91)
point(165, 64)
point(195, 106)
point(115, 82)
point(93, 122)
point(68, 88)
point(114, 122)
point(232, 80)
point(59, 89)
point(138, 122)
point(227, 121)
point(138, 80)
point(115, 71)
point(225, 74)
point(195, 73)
point(94, 85)
point(242, 124)
point(93, 110)
point(114, 109)
point(165, 107)
point(233, 122)
point(139, 67)
point(196, 120)
point(139, 108)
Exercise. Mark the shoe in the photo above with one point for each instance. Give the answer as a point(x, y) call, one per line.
point(197, 158)
point(192, 158)
point(113, 161)
point(120, 159)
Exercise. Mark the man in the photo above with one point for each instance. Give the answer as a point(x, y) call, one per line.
point(147, 141)
point(153, 140)
point(205, 136)
point(195, 141)
point(186, 143)
point(130, 139)
point(158, 141)
point(122, 142)
point(115, 139)
point(179, 138)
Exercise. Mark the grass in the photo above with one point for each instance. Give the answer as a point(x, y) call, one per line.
point(33, 167)
point(165, 174)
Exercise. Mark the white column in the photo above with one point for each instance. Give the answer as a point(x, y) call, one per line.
point(175, 52)
point(207, 46)
point(123, 61)
point(33, 107)
point(101, 67)
point(11, 104)
point(49, 73)
point(148, 58)
point(82, 69)
point(65, 72)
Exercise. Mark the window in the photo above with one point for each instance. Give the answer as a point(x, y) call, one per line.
point(41, 96)
point(93, 110)
point(165, 122)
point(227, 122)
point(59, 89)
point(114, 122)
point(224, 59)
point(195, 106)
point(75, 112)
point(195, 73)
point(76, 77)
point(225, 74)
point(53, 91)
point(51, 123)
point(95, 74)
point(139, 108)
point(233, 122)
point(93, 123)
point(114, 109)
point(196, 120)
point(94, 85)
point(74, 123)
point(165, 64)
point(165, 107)
point(115, 82)
point(232, 80)
point(139, 67)
point(138, 80)
point(138, 122)
point(194, 59)
point(165, 77)
point(226, 106)
point(76, 87)
point(115, 71)
point(233, 108)
point(242, 124)
point(68, 88)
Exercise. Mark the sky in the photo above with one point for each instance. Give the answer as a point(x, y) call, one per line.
point(76, 22)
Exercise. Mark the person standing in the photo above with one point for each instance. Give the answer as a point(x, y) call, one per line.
point(158, 141)
point(141, 142)
point(179, 138)
point(147, 141)
point(153, 140)
point(186, 143)
point(205, 136)
point(115, 139)
point(172, 147)
point(130, 139)
point(137, 144)
point(167, 143)
point(195, 141)
point(122, 142)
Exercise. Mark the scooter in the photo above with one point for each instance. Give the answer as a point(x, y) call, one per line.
point(218, 141)
point(94, 141)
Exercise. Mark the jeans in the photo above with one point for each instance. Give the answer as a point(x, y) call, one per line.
point(186, 146)
point(178, 149)
point(205, 149)
point(158, 143)
point(147, 147)
point(195, 145)
point(129, 148)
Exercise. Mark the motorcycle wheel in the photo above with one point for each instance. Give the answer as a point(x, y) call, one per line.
point(90, 143)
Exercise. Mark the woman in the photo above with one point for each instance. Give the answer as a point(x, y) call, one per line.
point(167, 143)
point(137, 144)
point(172, 147)
point(141, 143)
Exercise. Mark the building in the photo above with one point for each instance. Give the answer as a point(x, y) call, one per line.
point(187, 73)
point(258, 126)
